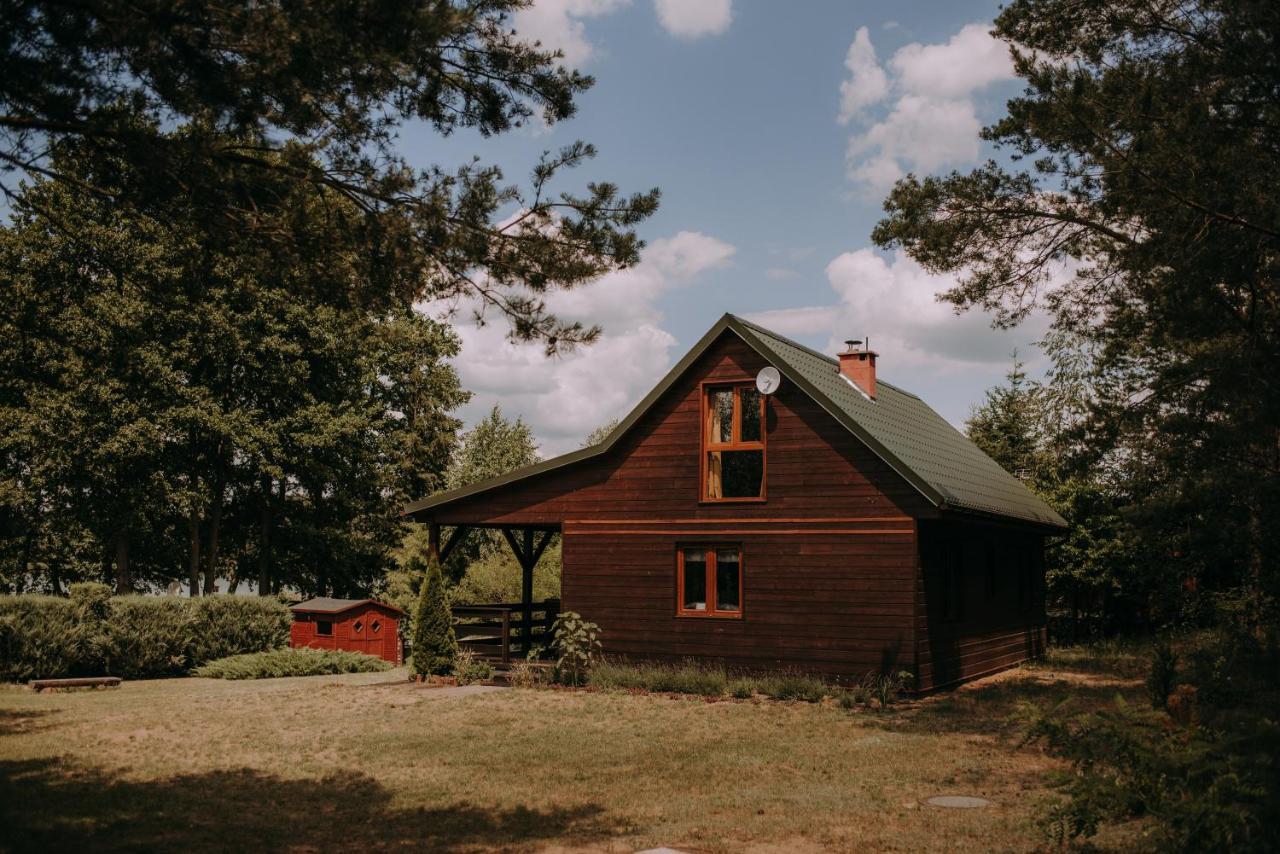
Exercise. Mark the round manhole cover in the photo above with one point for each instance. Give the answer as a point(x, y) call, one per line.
point(958, 802)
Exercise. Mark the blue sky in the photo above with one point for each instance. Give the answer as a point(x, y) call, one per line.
point(773, 130)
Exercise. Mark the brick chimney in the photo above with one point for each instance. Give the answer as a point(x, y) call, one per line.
point(859, 365)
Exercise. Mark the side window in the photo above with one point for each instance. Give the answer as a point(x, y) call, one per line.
point(324, 628)
point(709, 581)
point(733, 455)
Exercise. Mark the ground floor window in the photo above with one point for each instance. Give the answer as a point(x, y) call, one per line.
point(709, 581)
point(324, 627)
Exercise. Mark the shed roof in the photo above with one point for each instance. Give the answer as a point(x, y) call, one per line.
point(901, 429)
point(326, 605)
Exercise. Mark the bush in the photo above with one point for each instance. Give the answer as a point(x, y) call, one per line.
point(743, 688)
point(1205, 779)
point(577, 645)
point(886, 685)
point(94, 634)
point(434, 644)
point(525, 674)
point(471, 669)
point(858, 695)
point(794, 686)
point(291, 662)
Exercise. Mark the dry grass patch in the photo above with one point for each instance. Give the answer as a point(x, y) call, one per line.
point(366, 762)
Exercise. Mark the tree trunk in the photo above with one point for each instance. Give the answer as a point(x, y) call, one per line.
point(1254, 582)
point(215, 529)
point(264, 540)
point(124, 583)
point(193, 563)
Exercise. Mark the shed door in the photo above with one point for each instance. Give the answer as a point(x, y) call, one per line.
point(367, 632)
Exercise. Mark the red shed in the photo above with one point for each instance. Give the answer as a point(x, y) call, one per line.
point(358, 625)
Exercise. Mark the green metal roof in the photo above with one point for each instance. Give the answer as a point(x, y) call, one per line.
point(900, 428)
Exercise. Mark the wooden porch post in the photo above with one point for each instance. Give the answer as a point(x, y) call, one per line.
point(527, 562)
point(433, 540)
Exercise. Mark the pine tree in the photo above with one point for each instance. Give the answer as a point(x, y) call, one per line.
point(434, 643)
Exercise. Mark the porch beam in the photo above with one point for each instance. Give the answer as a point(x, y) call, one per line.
point(456, 536)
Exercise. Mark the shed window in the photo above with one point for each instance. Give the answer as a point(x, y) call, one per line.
point(357, 627)
point(324, 627)
point(733, 451)
point(709, 581)
point(375, 627)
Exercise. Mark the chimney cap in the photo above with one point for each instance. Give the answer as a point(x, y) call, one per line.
point(852, 344)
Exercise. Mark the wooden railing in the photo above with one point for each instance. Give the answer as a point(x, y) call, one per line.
point(497, 630)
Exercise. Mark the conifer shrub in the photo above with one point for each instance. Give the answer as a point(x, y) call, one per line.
point(434, 644)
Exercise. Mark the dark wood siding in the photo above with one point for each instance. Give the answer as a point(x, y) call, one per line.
point(829, 560)
point(979, 601)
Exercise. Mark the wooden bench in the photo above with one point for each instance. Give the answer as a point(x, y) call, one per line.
point(83, 682)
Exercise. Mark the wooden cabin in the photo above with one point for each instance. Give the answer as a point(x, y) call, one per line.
point(767, 506)
point(357, 625)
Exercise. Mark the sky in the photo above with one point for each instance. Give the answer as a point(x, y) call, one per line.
point(774, 131)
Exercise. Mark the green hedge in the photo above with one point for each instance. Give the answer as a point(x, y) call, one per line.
point(94, 634)
point(291, 662)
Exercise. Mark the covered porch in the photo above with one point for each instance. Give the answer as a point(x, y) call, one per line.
point(502, 631)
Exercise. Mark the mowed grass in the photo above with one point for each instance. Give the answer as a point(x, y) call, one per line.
point(366, 762)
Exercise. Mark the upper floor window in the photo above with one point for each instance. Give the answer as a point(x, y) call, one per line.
point(732, 443)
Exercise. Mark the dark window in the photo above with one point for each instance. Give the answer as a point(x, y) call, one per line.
point(375, 627)
point(324, 627)
point(357, 627)
point(709, 579)
point(733, 444)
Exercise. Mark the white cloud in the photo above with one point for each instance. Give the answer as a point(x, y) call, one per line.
point(970, 60)
point(933, 121)
point(894, 303)
point(564, 399)
point(557, 24)
point(867, 83)
point(691, 19)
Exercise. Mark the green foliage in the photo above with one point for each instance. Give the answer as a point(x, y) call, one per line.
point(577, 645)
point(470, 669)
point(1163, 677)
point(886, 685)
point(1205, 782)
point(130, 636)
point(742, 687)
point(526, 673)
point(1138, 145)
point(854, 697)
point(691, 677)
point(497, 577)
point(276, 663)
point(313, 96)
point(793, 686)
point(434, 644)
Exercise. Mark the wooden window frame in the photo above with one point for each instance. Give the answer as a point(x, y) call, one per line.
point(706, 446)
point(709, 555)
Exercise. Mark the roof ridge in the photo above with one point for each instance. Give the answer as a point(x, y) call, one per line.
point(755, 327)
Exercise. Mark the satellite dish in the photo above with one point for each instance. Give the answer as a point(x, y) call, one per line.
point(768, 380)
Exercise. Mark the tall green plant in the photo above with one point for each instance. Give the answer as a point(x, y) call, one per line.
point(434, 644)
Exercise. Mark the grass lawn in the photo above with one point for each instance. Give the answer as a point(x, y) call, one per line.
point(363, 762)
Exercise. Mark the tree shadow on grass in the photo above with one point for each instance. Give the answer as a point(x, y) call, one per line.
point(50, 805)
point(21, 721)
point(1001, 706)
